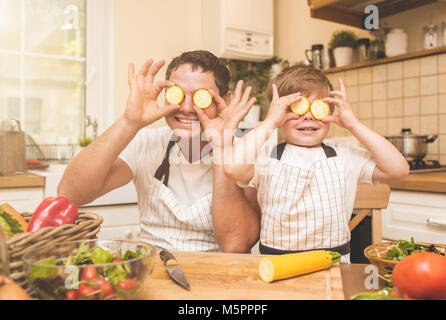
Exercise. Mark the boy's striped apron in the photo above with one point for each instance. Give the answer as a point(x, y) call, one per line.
point(303, 209)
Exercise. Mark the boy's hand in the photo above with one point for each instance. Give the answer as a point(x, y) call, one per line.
point(345, 118)
point(142, 108)
point(278, 112)
point(220, 129)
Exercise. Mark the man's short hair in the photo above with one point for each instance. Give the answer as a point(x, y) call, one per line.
point(206, 61)
point(301, 78)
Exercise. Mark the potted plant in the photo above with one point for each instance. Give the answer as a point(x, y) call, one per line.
point(343, 43)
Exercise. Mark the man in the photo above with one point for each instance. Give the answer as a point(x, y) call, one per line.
point(185, 200)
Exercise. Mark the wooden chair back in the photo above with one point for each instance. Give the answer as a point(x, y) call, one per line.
point(372, 200)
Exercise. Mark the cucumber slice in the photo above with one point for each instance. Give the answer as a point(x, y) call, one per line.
point(300, 107)
point(174, 95)
point(202, 98)
point(320, 109)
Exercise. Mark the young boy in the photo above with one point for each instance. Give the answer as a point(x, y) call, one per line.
point(306, 188)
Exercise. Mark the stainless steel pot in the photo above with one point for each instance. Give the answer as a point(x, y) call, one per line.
point(412, 146)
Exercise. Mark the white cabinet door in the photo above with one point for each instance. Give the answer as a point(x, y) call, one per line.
point(22, 199)
point(415, 214)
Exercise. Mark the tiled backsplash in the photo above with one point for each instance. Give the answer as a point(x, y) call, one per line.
point(396, 95)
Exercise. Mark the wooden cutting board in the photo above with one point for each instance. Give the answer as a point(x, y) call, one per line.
point(231, 276)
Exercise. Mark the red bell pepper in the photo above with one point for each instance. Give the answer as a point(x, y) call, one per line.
point(53, 211)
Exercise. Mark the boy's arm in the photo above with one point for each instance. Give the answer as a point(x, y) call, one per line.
point(390, 163)
point(239, 160)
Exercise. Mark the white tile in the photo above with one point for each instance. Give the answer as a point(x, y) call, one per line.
point(429, 85)
point(428, 65)
point(380, 126)
point(442, 143)
point(442, 83)
point(429, 104)
point(365, 110)
point(411, 68)
point(395, 89)
point(412, 123)
point(412, 87)
point(442, 103)
point(442, 123)
point(379, 73)
point(442, 63)
point(365, 75)
point(365, 92)
point(379, 109)
point(352, 94)
point(412, 106)
point(395, 108)
point(351, 77)
point(428, 124)
point(395, 71)
point(379, 91)
point(394, 126)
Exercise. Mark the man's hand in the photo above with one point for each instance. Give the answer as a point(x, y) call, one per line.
point(345, 118)
point(142, 108)
point(278, 112)
point(220, 129)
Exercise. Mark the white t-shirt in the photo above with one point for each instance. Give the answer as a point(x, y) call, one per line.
point(188, 181)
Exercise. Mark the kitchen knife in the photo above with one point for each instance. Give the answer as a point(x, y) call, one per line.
point(173, 269)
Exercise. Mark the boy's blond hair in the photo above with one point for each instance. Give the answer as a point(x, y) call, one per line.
point(301, 78)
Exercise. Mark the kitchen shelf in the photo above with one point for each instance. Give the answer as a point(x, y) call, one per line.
point(350, 12)
point(369, 63)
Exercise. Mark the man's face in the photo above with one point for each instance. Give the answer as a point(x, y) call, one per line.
point(185, 121)
point(306, 131)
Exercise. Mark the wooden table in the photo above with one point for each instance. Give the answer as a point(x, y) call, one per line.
point(229, 276)
point(428, 182)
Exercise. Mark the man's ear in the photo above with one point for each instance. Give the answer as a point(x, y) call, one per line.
point(227, 97)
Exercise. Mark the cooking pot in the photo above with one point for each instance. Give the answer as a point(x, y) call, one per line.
point(412, 146)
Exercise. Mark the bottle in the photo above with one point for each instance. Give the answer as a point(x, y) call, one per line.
point(430, 36)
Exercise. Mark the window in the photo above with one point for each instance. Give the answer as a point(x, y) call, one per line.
point(46, 81)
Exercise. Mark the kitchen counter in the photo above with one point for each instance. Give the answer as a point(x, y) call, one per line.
point(230, 276)
point(22, 181)
point(428, 182)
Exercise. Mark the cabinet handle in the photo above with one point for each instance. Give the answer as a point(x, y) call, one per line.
point(436, 222)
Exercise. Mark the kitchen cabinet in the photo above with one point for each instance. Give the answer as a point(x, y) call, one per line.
point(121, 221)
point(23, 199)
point(421, 215)
point(350, 12)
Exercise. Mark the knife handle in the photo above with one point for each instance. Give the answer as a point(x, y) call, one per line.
point(168, 258)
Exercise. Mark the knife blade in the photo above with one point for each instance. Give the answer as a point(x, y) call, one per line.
point(173, 269)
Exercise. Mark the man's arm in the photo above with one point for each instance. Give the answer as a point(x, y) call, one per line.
point(97, 169)
point(235, 214)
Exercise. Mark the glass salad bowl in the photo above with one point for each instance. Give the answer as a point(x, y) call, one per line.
point(89, 269)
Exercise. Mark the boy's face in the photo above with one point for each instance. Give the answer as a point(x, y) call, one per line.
point(185, 122)
point(306, 131)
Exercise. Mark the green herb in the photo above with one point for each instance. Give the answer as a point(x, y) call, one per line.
point(83, 255)
point(404, 248)
point(101, 256)
point(342, 38)
point(10, 225)
point(41, 270)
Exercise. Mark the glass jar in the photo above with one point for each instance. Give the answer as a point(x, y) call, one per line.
point(430, 36)
point(443, 33)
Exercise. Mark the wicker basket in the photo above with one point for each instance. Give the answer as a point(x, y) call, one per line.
point(87, 225)
point(374, 253)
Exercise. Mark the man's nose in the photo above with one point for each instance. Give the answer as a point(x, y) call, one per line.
point(187, 105)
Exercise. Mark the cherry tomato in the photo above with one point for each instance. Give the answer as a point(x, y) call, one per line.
point(71, 295)
point(88, 273)
point(127, 284)
point(85, 290)
point(105, 287)
point(421, 275)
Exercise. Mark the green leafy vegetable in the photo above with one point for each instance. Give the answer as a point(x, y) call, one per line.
point(43, 271)
point(83, 255)
point(405, 248)
point(101, 256)
point(133, 255)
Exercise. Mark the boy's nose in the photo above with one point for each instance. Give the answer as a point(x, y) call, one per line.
point(308, 116)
